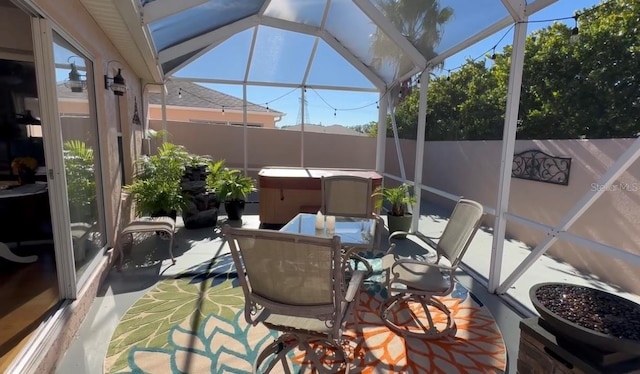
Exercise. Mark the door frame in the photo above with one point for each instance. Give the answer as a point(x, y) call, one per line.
point(52, 139)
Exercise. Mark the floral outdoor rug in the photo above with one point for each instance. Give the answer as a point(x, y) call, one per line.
point(195, 324)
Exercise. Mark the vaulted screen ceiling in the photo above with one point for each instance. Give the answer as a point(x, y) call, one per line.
point(362, 44)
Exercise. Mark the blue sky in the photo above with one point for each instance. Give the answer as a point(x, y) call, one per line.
point(275, 62)
point(282, 56)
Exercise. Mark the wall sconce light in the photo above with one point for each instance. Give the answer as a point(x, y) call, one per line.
point(75, 81)
point(117, 84)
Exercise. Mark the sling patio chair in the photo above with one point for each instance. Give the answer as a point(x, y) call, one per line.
point(350, 196)
point(294, 284)
point(411, 280)
point(131, 223)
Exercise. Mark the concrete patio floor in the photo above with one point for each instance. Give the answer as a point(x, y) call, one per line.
point(151, 263)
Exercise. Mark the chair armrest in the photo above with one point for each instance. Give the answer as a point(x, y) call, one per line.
point(419, 262)
point(396, 233)
point(357, 277)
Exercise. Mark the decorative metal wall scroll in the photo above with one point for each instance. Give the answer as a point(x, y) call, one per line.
point(136, 117)
point(538, 166)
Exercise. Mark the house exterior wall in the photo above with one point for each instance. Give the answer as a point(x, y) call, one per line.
point(471, 169)
point(181, 114)
point(71, 17)
point(74, 19)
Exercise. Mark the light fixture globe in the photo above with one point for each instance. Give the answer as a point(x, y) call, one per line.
point(75, 81)
point(117, 84)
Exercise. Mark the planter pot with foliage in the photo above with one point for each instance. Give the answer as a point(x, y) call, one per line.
point(231, 187)
point(399, 198)
point(156, 187)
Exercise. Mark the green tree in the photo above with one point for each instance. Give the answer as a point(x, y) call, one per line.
point(587, 88)
point(420, 21)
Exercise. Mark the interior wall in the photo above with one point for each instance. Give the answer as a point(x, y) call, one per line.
point(15, 34)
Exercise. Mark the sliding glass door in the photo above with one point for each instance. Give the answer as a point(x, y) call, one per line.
point(69, 124)
point(75, 92)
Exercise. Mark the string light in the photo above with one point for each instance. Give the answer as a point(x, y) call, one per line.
point(574, 37)
point(575, 33)
point(223, 109)
point(180, 93)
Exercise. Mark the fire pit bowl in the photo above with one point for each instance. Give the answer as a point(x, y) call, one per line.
point(597, 318)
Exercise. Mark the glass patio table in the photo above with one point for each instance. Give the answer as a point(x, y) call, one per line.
point(354, 233)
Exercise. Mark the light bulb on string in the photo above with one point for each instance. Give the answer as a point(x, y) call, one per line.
point(180, 93)
point(223, 109)
point(267, 107)
point(334, 112)
point(448, 75)
point(575, 33)
point(493, 55)
point(377, 105)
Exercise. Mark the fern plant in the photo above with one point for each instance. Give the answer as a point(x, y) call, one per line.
point(399, 197)
point(157, 184)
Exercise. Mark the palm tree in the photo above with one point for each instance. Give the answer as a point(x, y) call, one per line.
point(420, 21)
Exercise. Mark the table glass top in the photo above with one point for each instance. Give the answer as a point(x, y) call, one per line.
point(351, 230)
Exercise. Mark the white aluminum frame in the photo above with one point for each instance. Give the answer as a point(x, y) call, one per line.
point(381, 140)
point(217, 36)
point(560, 230)
point(518, 12)
point(45, 70)
point(508, 147)
point(422, 128)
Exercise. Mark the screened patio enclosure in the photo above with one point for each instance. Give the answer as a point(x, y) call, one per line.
point(367, 46)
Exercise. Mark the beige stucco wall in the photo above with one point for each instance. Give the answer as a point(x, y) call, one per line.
point(181, 114)
point(471, 169)
point(72, 17)
point(272, 146)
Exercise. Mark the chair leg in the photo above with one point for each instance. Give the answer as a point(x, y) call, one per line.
point(431, 332)
point(173, 260)
point(288, 342)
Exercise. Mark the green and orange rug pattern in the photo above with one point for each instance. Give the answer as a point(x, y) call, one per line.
point(195, 324)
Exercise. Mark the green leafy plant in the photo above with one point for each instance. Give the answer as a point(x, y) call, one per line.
point(157, 183)
point(230, 184)
point(81, 180)
point(399, 197)
point(216, 172)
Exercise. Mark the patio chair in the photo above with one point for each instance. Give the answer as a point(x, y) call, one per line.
point(350, 196)
point(346, 195)
point(130, 224)
point(294, 284)
point(409, 279)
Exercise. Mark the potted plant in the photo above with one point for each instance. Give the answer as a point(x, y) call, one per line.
point(232, 188)
point(156, 187)
point(399, 197)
